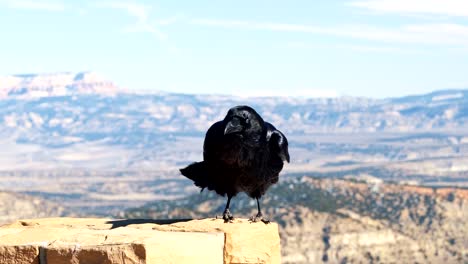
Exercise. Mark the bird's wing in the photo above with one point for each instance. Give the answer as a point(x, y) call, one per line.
point(277, 142)
point(213, 141)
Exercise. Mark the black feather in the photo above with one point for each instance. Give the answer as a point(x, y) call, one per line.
point(241, 153)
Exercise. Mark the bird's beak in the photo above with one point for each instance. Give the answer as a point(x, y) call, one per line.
point(233, 126)
point(285, 156)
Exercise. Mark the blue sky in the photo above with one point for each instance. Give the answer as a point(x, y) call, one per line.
point(373, 48)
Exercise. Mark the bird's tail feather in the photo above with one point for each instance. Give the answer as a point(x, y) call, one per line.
point(198, 173)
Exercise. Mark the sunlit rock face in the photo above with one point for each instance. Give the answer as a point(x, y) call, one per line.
point(96, 240)
point(54, 84)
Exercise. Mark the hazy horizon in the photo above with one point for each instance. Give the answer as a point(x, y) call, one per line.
point(313, 94)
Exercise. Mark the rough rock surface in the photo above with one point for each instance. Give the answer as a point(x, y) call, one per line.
point(88, 240)
point(382, 223)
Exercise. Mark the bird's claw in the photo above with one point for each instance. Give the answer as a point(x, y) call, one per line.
point(259, 217)
point(227, 216)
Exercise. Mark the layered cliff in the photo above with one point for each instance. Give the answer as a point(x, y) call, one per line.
point(19, 206)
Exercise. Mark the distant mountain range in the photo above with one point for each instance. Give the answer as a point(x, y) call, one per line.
point(84, 119)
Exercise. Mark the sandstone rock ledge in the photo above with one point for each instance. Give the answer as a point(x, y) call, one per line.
point(89, 241)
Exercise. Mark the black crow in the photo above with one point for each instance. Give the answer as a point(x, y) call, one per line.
point(241, 153)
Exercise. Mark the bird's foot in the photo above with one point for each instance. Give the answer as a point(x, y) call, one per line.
point(227, 216)
point(259, 217)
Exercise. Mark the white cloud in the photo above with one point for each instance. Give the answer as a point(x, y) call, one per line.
point(432, 34)
point(169, 20)
point(145, 28)
point(140, 11)
point(432, 7)
point(302, 93)
point(453, 34)
point(358, 48)
point(259, 25)
point(367, 48)
point(142, 14)
point(34, 5)
point(445, 29)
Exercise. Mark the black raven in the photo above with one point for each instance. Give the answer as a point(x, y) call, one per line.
point(241, 153)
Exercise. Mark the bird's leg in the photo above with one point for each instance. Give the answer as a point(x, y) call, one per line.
point(227, 216)
point(259, 215)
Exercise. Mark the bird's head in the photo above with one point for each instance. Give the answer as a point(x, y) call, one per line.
point(243, 120)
